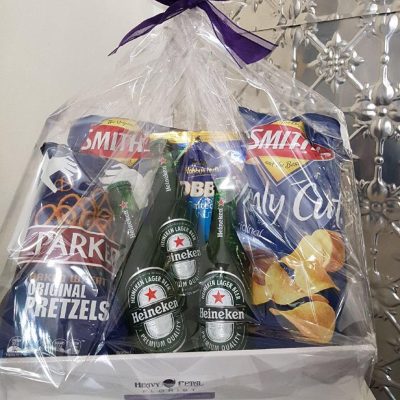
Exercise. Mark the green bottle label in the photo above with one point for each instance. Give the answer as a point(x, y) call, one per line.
point(178, 240)
point(155, 311)
point(222, 312)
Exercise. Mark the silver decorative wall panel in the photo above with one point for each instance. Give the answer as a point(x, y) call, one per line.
point(268, 14)
point(349, 51)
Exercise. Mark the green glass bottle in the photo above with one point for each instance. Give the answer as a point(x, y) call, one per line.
point(147, 292)
point(179, 244)
point(224, 289)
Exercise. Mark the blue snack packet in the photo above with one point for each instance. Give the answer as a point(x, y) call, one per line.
point(195, 175)
point(201, 164)
point(291, 224)
point(202, 158)
point(58, 303)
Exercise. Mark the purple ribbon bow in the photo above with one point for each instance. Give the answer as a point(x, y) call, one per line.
point(244, 46)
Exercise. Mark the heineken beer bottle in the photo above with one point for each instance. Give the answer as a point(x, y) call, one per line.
point(178, 242)
point(147, 292)
point(223, 291)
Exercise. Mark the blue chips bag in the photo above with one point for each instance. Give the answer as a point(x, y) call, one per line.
point(291, 223)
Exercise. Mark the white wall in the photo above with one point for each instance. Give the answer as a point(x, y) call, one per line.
point(49, 50)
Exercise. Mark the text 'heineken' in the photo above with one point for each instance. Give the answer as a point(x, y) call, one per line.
point(222, 311)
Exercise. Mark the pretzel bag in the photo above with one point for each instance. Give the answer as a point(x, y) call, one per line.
point(200, 127)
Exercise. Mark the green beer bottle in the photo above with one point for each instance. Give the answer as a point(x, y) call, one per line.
point(223, 290)
point(126, 212)
point(147, 292)
point(179, 244)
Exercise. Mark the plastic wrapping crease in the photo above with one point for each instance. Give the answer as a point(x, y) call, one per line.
point(188, 205)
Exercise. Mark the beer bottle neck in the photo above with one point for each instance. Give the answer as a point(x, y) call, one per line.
point(180, 209)
point(121, 198)
point(163, 194)
point(222, 231)
point(126, 213)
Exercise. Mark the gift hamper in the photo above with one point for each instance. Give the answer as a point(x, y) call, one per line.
point(188, 229)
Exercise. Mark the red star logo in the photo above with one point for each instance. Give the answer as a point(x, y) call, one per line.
point(221, 203)
point(179, 241)
point(151, 294)
point(218, 297)
point(124, 205)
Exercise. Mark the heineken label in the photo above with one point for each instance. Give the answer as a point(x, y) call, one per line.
point(155, 311)
point(178, 239)
point(222, 312)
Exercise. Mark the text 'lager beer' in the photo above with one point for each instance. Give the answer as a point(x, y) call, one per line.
point(149, 294)
point(223, 305)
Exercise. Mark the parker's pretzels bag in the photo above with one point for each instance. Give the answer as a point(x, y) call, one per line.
point(194, 213)
point(66, 259)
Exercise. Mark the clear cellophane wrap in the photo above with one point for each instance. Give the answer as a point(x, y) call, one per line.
point(283, 147)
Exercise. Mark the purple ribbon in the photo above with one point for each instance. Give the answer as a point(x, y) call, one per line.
point(244, 46)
